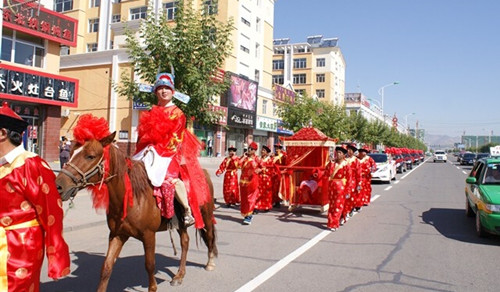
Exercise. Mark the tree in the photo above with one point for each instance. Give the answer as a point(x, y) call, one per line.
point(194, 47)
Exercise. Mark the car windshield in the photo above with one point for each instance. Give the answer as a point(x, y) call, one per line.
point(481, 155)
point(439, 152)
point(379, 157)
point(469, 155)
point(492, 174)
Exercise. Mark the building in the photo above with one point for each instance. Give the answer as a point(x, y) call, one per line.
point(30, 79)
point(99, 59)
point(476, 141)
point(315, 68)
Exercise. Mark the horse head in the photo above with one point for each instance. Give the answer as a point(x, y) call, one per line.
point(85, 167)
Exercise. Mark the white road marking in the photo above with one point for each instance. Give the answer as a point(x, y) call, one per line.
point(464, 172)
point(396, 182)
point(388, 188)
point(272, 270)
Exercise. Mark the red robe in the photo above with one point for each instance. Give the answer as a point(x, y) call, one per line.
point(279, 160)
point(338, 174)
point(249, 184)
point(367, 166)
point(231, 190)
point(353, 195)
point(265, 198)
point(165, 129)
point(31, 218)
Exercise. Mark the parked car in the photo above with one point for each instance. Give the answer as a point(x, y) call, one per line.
point(408, 160)
point(440, 155)
point(482, 196)
point(386, 168)
point(468, 159)
point(400, 163)
point(481, 155)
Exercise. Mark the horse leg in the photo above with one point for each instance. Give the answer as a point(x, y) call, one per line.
point(208, 235)
point(149, 242)
point(177, 280)
point(114, 247)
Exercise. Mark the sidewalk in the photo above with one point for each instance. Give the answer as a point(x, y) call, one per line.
point(82, 215)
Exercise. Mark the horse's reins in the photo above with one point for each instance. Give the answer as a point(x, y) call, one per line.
point(85, 176)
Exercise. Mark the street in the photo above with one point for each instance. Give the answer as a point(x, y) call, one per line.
point(414, 236)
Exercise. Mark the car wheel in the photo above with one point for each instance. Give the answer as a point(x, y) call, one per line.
point(468, 209)
point(445, 161)
point(434, 161)
point(479, 227)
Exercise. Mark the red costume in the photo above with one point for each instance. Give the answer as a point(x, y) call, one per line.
point(30, 221)
point(338, 174)
point(353, 197)
point(231, 188)
point(265, 198)
point(367, 165)
point(278, 160)
point(163, 128)
point(249, 184)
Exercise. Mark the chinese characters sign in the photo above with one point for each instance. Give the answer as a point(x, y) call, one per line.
point(240, 118)
point(283, 94)
point(266, 124)
point(39, 21)
point(222, 111)
point(27, 85)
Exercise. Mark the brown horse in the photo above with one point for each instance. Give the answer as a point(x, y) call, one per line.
point(87, 168)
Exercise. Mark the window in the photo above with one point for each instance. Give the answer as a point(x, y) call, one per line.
point(320, 93)
point(278, 79)
point(299, 78)
point(300, 92)
point(94, 25)
point(278, 64)
point(320, 62)
point(257, 50)
point(23, 49)
point(95, 3)
point(257, 24)
point(63, 5)
point(299, 63)
point(116, 18)
point(301, 50)
point(257, 75)
point(210, 6)
point(320, 78)
point(264, 107)
point(92, 47)
point(245, 21)
point(64, 51)
point(138, 13)
point(170, 9)
point(244, 49)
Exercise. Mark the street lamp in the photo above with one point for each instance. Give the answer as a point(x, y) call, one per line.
point(406, 122)
point(381, 92)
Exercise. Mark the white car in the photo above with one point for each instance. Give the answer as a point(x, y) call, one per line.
point(386, 168)
point(440, 155)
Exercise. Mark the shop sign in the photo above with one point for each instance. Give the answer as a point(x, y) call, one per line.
point(266, 124)
point(282, 130)
point(35, 20)
point(283, 94)
point(33, 86)
point(222, 110)
point(239, 118)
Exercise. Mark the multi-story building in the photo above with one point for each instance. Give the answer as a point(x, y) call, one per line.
point(30, 79)
point(315, 68)
point(99, 59)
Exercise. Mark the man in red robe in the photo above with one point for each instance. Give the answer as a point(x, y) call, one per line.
point(230, 165)
point(367, 166)
point(354, 183)
point(338, 176)
point(31, 212)
point(249, 183)
point(279, 159)
point(265, 198)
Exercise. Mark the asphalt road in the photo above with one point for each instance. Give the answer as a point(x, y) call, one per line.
point(413, 237)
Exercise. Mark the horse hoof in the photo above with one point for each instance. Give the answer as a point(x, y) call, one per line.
point(210, 267)
point(176, 282)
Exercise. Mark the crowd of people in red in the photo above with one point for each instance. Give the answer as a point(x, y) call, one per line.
point(264, 181)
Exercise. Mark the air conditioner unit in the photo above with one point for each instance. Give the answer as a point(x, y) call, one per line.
point(65, 113)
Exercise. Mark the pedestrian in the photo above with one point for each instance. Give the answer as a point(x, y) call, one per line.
point(265, 198)
point(231, 188)
point(354, 183)
point(338, 175)
point(64, 149)
point(279, 159)
point(170, 152)
point(367, 166)
point(249, 183)
point(209, 146)
point(31, 214)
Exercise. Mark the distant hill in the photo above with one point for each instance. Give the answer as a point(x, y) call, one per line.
point(440, 141)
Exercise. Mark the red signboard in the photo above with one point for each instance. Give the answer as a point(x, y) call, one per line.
point(37, 87)
point(38, 21)
point(222, 110)
point(283, 94)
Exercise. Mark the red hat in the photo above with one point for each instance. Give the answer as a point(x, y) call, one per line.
point(10, 120)
point(253, 145)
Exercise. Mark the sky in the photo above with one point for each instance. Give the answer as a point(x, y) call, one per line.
point(445, 54)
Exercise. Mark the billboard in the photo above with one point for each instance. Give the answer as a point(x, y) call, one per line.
point(243, 93)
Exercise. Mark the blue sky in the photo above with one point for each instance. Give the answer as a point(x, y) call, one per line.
point(444, 53)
